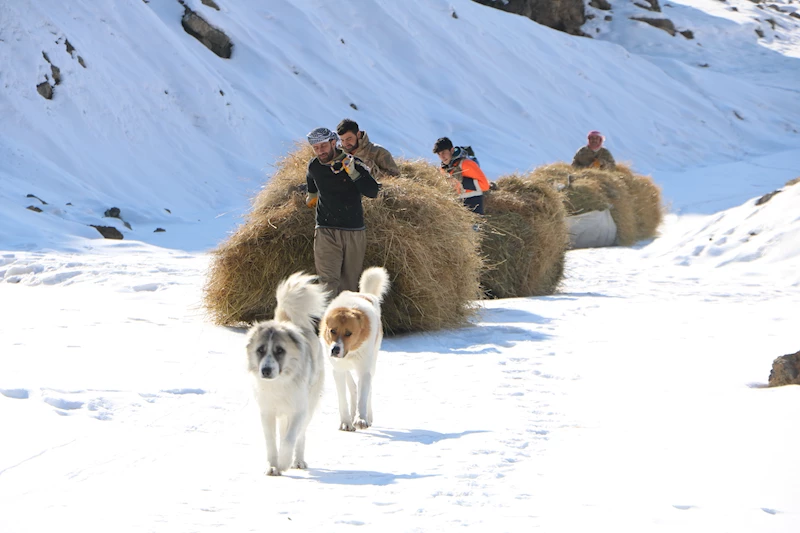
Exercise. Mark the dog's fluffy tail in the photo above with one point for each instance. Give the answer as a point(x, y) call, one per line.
point(375, 281)
point(300, 300)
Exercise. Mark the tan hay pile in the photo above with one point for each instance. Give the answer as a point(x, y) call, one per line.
point(647, 208)
point(416, 228)
point(524, 238)
point(635, 201)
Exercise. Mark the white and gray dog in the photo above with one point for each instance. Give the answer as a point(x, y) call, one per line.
point(286, 364)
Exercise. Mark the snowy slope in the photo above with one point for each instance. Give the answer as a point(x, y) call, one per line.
point(633, 400)
point(178, 138)
point(633, 397)
point(767, 234)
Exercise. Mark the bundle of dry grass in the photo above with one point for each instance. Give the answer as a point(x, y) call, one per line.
point(419, 230)
point(524, 238)
point(276, 240)
point(416, 228)
point(647, 208)
point(634, 201)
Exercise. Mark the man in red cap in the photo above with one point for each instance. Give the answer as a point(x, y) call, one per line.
point(593, 154)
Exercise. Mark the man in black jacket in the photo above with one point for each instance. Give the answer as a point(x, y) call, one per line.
point(336, 181)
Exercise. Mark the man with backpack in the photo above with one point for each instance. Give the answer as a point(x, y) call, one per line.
point(461, 166)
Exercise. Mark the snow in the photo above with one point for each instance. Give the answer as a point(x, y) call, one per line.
point(633, 399)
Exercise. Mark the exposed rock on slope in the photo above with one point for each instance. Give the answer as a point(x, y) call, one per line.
point(564, 15)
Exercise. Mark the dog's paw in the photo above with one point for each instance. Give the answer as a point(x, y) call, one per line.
point(300, 465)
point(346, 426)
point(360, 423)
point(273, 471)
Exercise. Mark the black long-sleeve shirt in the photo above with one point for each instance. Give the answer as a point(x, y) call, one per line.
point(338, 196)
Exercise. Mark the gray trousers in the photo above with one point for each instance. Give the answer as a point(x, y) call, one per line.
point(339, 258)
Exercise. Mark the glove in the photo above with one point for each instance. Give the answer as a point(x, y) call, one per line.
point(349, 164)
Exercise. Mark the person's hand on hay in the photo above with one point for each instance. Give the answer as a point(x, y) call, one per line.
point(349, 164)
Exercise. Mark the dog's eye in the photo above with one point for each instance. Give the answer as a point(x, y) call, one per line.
point(278, 350)
point(261, 351)
point(347, 333)
point(333, 331)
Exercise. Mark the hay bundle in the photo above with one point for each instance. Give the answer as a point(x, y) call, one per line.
point(595, 190)
point(524, 238)
point(416, 228)
point(646, 196)
point(276, 240)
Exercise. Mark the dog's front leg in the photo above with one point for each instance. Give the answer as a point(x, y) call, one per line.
point(345, 418)
point(364, 415)
point(300, 451)
point(268, 425)
point(294, 425)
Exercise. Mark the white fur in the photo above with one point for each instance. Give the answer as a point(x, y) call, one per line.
point(374, 283)
point(287, 385)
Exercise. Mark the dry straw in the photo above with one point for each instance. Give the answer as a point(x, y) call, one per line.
point(524, 238)
point(647, 208)
point(634, 200)
point(416, 228)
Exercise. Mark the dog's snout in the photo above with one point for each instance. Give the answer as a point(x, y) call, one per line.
point(266, 372)
point(335, 350)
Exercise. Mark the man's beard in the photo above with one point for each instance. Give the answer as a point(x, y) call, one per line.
point(327, 158)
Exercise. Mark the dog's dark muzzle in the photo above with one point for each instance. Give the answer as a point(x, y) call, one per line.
point(336, 351)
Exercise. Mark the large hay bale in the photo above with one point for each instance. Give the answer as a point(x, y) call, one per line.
point(417, 229)
point(524, 238)
point(420, 231)
point(648, 210)
point(595, 190)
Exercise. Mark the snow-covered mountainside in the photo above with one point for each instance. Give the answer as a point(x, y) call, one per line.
point(145, 118)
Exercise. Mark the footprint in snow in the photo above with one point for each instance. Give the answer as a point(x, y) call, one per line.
point(17, 394)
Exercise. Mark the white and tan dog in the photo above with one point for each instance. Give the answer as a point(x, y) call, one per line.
point(351, 332)
point(285, 360)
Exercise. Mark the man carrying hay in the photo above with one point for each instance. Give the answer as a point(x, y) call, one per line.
point(355, 142)
point(336, 181)
point(467, 177)
point(594, 155)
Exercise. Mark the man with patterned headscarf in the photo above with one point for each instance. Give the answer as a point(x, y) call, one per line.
point(593, 154)
point(335, 183)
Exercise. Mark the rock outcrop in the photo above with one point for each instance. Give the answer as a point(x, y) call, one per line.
point(212, 38)
point(563, 15)
point(785, 370)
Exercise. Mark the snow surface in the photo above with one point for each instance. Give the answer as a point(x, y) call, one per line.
point(634, 399)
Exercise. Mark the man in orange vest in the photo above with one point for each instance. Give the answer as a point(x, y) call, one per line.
point(467, 178)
